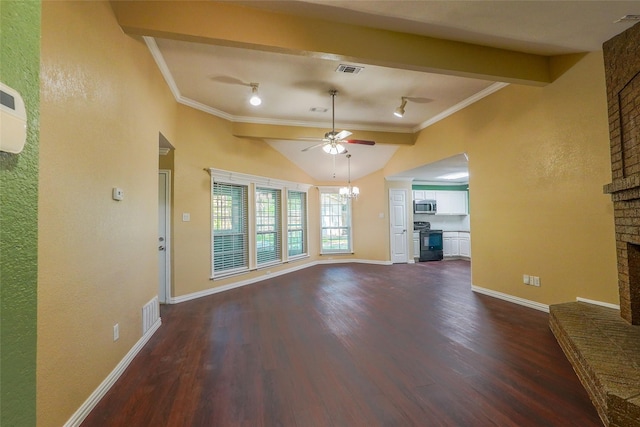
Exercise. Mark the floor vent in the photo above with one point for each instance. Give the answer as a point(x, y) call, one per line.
point(150, 314)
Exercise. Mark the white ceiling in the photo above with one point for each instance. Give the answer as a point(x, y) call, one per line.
point(216, 78)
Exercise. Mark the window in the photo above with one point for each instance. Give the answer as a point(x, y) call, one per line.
point(296, 223)
point(335, 217)
point(268, 228)
point(249, 227)
point(229, 224)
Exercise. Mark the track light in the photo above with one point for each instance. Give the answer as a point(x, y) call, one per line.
point(255, 98)
point(400, 110)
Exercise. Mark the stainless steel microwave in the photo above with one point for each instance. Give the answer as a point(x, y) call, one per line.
point(424, 207)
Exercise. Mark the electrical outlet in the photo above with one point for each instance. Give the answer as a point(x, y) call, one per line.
point(526, 279)
point(536, 281)
point(116, 332)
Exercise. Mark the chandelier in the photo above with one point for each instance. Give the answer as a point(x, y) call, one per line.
point(349, 192)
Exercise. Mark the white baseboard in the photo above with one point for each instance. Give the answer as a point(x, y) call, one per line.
point(78, 417)
point(211, 291)
point(349, 260)
point(600, 303)
point(511, 298)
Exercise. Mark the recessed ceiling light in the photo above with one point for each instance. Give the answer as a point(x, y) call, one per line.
point(318, 110)
point(627, 18)
point(455, 175)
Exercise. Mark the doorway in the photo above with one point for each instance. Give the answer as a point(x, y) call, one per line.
point(164, 233)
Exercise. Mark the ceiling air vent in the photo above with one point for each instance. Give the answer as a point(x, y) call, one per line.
point(348, 69)
point(627, 18)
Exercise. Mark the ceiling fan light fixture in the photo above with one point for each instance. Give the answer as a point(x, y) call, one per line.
point(399, 112)
point(255, 99)
point(335, 148)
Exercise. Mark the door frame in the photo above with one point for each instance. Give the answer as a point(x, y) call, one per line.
point(408, 259)
point(166, 173)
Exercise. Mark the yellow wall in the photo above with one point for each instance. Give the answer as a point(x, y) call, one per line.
point(103, 103)
point(205, 141)
point(538, 158)
point(370, 232)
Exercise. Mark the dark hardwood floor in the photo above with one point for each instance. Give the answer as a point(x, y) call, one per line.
point(350, 345)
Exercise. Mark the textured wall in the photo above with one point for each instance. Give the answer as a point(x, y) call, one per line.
point(538, 158)
point(103, 103)
point(19, 68)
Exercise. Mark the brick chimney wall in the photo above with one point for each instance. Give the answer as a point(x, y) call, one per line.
point(622, 71)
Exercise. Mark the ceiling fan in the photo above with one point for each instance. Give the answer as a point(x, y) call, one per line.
point(333, 142)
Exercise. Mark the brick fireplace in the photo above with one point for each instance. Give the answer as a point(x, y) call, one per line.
point(622, 69)
point(603, 344)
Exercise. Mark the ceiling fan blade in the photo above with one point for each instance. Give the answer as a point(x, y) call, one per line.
point(314, 146)
point(360, 141)
point(342, 135)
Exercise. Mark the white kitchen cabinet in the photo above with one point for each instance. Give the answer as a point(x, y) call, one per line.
point(451, 202)
point(456, 244)
point(416, 244)
point(424, 195)
point(464, 240)
point(450, 243)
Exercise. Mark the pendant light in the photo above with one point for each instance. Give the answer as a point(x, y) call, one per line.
point(349, 192)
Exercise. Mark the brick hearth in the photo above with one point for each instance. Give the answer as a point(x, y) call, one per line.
point(603, 344)
point(605, 353)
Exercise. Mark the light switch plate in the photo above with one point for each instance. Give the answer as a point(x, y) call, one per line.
point(186, 217)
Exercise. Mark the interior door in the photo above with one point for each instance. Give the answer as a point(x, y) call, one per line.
point(164, 261)
point(398, 220)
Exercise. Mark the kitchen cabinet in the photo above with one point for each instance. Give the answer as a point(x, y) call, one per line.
point(448, 202)
point(416, 244)
point(424, 195)
point(465, 244)
point(450, 243)
point(451, 202)
point(456, 244)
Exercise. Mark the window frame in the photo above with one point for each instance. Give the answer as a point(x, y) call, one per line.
point(304, 228)
point(279, 234)
point(244, 231)
point(347, 202)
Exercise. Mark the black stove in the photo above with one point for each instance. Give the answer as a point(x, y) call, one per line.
point(421, 225)
point(430, 241)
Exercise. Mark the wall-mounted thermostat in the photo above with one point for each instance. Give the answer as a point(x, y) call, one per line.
point(13, 120)
point(117, 194)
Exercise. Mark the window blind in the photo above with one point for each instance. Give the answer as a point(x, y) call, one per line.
point(296, 222)
point(268, 227)
point(229, 222)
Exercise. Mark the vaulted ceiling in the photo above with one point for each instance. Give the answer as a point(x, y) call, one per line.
point(441, 55)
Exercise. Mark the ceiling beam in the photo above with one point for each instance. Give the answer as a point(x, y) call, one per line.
point(237, 26)
point(265, 131)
